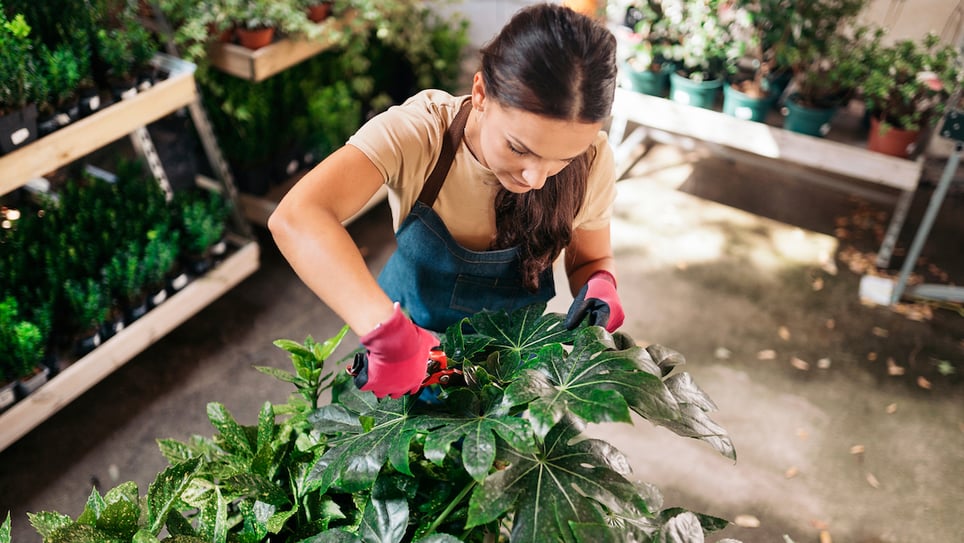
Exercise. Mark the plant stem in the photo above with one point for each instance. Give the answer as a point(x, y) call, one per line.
point(451, 507)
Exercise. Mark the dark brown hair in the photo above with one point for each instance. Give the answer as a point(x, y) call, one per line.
point(551, 61)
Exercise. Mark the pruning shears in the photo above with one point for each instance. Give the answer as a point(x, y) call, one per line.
point(437, 370)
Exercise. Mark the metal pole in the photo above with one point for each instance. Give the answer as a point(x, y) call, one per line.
point(932, 208)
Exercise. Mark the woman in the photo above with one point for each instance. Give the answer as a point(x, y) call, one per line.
point(486, 191)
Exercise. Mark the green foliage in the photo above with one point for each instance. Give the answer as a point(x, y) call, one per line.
point(61, 69)
point(819, 48)
point(87, 302)
point(20, 79)
point(503, 453)
point(5, 530)
point(700, 46)
point(201, 217)
point(908, 82)
point(23, 343)
point(115, 49)
point(122, 514)
point(160, 255)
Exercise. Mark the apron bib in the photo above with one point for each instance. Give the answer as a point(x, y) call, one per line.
point(437, 280)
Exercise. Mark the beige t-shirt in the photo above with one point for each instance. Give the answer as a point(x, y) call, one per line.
point(404, 143)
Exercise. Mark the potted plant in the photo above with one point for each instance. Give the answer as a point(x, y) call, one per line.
point(61, 71)
point(114, 48)
point(160, 256)
point(257, 21)
point(757, 74)
point(648, 48)
point(88, 307)
point(907, 85)
point(499, 457)
point(201, 218)
point(820, 52)
point(124, 276)
point(20, 84)
point(701, 56)
point(23, 346)
point(316, 10)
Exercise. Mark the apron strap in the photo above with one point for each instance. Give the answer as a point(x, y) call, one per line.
point(450, 142)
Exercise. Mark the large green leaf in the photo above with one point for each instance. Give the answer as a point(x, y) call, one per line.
point(47, 523)
point(476, 426)
point(166, 490)
point(594, 382)
point(232, 437)
point(355, 458)
point(384, 521)
point(566, 482)
point(523, 331)
point(692, 419)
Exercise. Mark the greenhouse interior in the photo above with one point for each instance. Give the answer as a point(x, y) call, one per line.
point(226, 252)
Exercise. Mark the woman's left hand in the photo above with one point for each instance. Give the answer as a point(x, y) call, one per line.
point(598, 301)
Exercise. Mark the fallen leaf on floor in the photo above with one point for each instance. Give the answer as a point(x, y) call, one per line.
point(872, 356)
point(872, 481)
point(784, 333)
point(893, 368)
point(766, 354)
point(746, 521)
point(722, 353)
point(880, 332)
point(802, 434)
point(857, 449)
point(923, 383)
point(891, 408)
point(945, 368)
point(825, 537)
point(800, 364)
point(791, 472)
point(817, 284)
point(823, 363)
point(830, 324)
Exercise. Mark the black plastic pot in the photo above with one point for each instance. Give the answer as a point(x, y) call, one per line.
point(18, 128)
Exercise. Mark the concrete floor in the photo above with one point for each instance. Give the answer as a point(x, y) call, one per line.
point(846, 418)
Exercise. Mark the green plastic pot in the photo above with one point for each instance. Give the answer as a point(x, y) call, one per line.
point(807, 120)
point(692, 93)
point(743, 106)
point(649, 82)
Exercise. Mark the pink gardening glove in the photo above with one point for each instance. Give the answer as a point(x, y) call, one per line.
point(598, 300)
point(396, 358)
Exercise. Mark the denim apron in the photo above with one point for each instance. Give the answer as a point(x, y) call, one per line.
point(438, 281)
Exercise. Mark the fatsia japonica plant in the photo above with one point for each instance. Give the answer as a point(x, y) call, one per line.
point(498, 457)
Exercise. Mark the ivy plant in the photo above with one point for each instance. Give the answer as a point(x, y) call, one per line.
point(498, 457)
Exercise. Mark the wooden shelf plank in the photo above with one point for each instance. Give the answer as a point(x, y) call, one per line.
point(95, 131)
point(118, 350)
point(258, 65)
point(845, 158)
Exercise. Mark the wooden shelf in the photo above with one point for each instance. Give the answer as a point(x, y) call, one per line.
point(107, 125)
point(842, 152)
point(258, 65)
point(118, 350)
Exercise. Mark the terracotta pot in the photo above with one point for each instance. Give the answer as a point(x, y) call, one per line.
point(224, 36)
point(890, 140)
point(319, 12)
point(592, 8)
point(255, 38)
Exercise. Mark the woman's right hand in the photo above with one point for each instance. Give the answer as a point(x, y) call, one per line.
point(397, 353)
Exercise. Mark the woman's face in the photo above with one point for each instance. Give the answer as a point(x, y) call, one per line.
point(523, 149)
